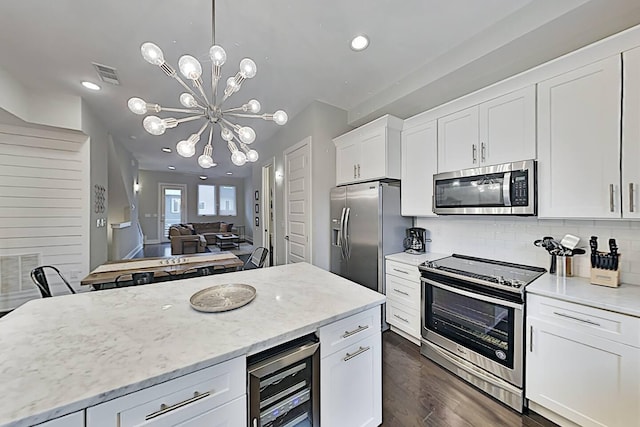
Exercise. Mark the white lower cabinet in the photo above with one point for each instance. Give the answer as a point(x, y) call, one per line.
point(577, 374)
point(351, 378)
point(216, 393)
point(72, 420)
point(402, 284)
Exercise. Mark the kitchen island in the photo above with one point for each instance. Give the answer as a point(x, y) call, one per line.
point(64, 354)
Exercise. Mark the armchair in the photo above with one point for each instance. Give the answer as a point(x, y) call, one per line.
point(183, 241)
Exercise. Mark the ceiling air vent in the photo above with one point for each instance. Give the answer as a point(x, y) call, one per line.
point(107, 74)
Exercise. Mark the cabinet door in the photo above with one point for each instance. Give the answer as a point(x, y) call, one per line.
point(373, 155)
point(72, 420)
point(458, 140)
point(508, 127)
point(579, 142)
point(231, 414)
point(351, 385)
point(347, 158)
point(586, 379)
point(419, 164)
point(631, 135)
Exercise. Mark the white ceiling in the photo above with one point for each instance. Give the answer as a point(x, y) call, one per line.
point(422, 52)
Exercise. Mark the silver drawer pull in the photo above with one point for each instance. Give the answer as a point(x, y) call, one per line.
point(591, 322)
point(347, 334)
point(165, 408)
point(401, 292)
point(400, 271)
point(401, 318)
point(357, 353)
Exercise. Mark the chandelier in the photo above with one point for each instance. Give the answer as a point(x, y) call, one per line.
point(198, 106)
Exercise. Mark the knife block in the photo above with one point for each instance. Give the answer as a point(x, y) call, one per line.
point(610, 278)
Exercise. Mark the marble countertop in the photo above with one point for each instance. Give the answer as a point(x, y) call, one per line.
point(624, 299)
point(416, 260)
point(63, 354)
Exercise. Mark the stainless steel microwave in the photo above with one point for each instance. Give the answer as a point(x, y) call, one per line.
point(507, 189)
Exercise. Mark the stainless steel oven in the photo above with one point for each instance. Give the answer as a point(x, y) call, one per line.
point(506, 189)
point(473, 321)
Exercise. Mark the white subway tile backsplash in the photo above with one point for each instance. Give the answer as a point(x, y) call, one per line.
point(511, 239)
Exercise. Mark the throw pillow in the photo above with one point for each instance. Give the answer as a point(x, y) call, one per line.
point(190, 227)
point(223, 227)
point(229, 227)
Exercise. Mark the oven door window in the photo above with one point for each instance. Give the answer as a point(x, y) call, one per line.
point(484, 327)
point(473, 191)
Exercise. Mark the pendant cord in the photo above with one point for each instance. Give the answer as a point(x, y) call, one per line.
point(213, 22)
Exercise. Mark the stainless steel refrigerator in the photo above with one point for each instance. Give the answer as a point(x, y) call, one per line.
point(366, 225)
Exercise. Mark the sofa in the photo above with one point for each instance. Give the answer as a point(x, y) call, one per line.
point(194, 237)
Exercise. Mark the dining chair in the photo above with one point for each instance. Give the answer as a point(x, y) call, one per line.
point(140, 278)
point(39, 278)
point(257, 258)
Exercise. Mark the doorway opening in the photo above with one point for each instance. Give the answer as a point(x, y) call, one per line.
point(267, 202)
point(172, 208)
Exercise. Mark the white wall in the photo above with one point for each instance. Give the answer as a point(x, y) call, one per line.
point(322, 122)
point(44, 201)
point(511, 239)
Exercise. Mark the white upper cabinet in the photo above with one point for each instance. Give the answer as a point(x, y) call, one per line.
point(631, 134)
point(419, 164)
point(369, 152)
point(579, 142)
point(500, 130)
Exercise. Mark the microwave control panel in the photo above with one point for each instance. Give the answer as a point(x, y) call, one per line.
point(519, 188)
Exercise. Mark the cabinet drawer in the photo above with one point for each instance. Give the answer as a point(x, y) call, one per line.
point(193, 393)
point(404, 291)
point(614, 326)
point(404, 318)
point(230, 414)
point(72, 420)
point(405, 271)
point(345, 332)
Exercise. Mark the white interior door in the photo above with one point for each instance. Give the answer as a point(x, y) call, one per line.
point(267, 220)
point(297, 171)
point(172, 202)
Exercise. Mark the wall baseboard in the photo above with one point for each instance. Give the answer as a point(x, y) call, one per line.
point(133, 252)
point(152, 242)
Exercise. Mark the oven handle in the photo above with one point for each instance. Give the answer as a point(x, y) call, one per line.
point(474, 295)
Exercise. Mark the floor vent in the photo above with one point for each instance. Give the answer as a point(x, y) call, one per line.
point(107, 74)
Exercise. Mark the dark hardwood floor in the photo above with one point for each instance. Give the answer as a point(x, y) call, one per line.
point(417, 392)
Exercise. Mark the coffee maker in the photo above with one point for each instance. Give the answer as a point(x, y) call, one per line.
point(415, 242)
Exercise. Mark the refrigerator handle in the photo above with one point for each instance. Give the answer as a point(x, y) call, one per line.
point(340, 240)
point(347, 243)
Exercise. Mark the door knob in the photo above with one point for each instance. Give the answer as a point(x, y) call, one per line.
point(286, 237)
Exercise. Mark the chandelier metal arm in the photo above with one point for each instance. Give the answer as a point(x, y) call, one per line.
point(182, 110)
point(186, 86)
point(189, 119)
point(253, 116)
point(198, 84)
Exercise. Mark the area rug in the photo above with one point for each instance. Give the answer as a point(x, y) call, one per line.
point(244, 249)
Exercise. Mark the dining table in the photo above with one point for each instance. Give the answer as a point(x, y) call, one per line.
point(163, 268)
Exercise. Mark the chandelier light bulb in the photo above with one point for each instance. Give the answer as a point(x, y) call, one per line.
point(254, 106)
point(186, 148)
point(252, 156)
point(247, 135)
point(154, 125)
point(152, 53)
point(137, 106)
point(280, 117)
point(238, 158)
point(218, 55)
point(232, 85)
point(248, 68)
point(205, 161)
point(190, 67)
point(226, 134)
point(187, 100)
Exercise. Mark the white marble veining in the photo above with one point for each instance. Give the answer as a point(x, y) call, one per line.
point(624, 299)
point(66, 353)
point(416, 260)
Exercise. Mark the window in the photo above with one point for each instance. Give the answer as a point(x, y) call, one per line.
point(206, 200)
point(228, 200)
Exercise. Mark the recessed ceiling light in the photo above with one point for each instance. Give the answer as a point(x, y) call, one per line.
point(203, 177)
point(90, 85)
point(229, 173)
point(172, 168)
point(360, 42)
point(214, 164)
point(133, 137)
point(166, 149)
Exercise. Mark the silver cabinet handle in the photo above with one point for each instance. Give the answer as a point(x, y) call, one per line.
point(531, 339)
point(631, 201)
point(347, 334)
point(401, 292)
point(611, 197)
point(591, 322)
point(358, 170)
point(483, 150)
point(474, 151)
point(401, 318)
point(357, 353)
point(354, 171)
point(255, 422)
point(400, 271)
point(166, 408)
